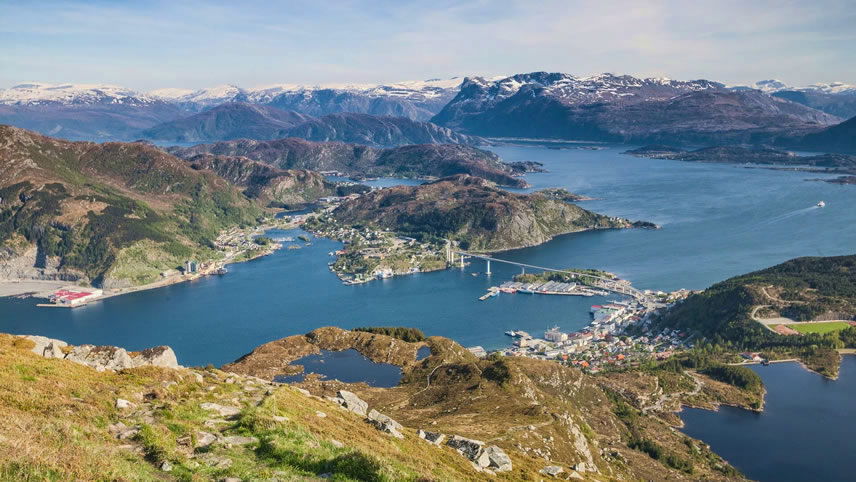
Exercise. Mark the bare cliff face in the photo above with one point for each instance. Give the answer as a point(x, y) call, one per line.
point(473, 211)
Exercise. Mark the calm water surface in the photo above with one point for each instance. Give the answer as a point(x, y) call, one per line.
point(349, 366)
point(806, 431)
point(718, 221)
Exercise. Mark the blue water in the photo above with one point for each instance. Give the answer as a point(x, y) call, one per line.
point(348, 366)
point(718, 221)
point(806, 431)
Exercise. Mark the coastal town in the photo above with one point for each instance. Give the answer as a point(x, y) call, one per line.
point(606, 342)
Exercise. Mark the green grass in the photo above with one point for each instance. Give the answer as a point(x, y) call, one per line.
point(819, 328)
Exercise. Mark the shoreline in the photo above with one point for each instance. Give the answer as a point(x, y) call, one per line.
point(42, 289)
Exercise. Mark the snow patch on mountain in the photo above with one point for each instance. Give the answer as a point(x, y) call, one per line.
point(35, 93)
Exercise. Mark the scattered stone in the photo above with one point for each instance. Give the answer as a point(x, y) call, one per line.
point(576, 475)
point(230, 380)
point(435, 438)
point(216, 461)
point(385, 424)
point(304, 391)
point(199, 378)
point(166, 466)
point(552, 470)
point(320, 414)
point(223, 410)
point(186, 441)
point(353, 403)
point(240, 440)
point(336, 443)
point(584, 467)
point(230, 479)
point(279, 418)
point(204, 439)
point(121, 403)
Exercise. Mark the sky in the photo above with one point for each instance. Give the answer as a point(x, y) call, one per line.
point(193, 44)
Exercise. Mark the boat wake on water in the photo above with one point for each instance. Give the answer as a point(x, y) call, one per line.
point(789, 215)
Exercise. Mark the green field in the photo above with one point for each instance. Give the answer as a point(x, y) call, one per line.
point(820, 328)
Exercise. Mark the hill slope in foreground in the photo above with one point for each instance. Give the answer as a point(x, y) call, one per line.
point(472, 211)
point(166, 423)
point(82, 211)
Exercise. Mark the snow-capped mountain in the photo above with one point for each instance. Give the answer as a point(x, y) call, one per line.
point(620, 108)
point(771, 86)
point(37, 93)
point(571, 90)
point(836, 98)
point(413, 99)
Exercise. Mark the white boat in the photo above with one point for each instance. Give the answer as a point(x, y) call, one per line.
point(821, 204)
point(511, 333)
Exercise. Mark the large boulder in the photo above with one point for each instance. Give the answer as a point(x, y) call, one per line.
point(491, 457)
point(385, 424)
point(159, 356)
point(435, 438)
point(352, 402)
point(101, 357)
point(47, 347)
point(497, 459)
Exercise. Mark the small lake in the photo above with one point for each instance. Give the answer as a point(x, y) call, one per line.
point(806, 431)
point(349, 366)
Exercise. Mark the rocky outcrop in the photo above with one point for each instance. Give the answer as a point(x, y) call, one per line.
point(103, 358)
point(435, 438)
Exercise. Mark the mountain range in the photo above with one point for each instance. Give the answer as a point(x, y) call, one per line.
point(604, 107)
point(623, 109)
point(239, 120)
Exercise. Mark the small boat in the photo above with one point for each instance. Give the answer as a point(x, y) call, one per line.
point(821, 204)
point(222, 270)
point(526, 291)
point(511, 333)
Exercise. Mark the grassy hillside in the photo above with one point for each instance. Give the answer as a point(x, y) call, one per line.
point(802, 289)
point(87, 207)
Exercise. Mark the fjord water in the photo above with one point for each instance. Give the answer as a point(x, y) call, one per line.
point(804, 433)
point(718, 221)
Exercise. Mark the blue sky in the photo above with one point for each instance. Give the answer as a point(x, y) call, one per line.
point(152, 44)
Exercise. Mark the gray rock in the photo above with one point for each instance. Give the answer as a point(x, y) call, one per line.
point(435, 438)
point(353, 403)
point(47, 347)
point(204, 439)
point(320, 414)
point(159, 356)
point(166, 466)
point(216, 461)
point(498, 459)
point(467, 447)
point(576, 475)
point(280, 418)
point(101, 357)
point(240, 440)
point(385, 424)
point(223, 410)
point(552, 470)
point(336, 443)
point(121, 403)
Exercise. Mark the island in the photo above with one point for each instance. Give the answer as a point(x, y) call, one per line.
point(406, 229)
